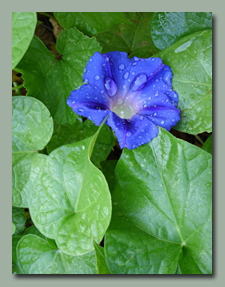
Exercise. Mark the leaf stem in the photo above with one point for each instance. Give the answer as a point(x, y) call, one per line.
point(199, 139)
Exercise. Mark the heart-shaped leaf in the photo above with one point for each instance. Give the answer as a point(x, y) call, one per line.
point(169, 27)
point(37, 256)
point(32, 128)
point(51, 78)
point(90, 23)
point(161, 209)
point(70, 200)
point(191, 62)
point(23, 26)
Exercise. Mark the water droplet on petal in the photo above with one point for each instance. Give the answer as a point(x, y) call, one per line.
point(167, 78)
point(156, 94)
point(128, 134)
point(102, 91)
point(121, 67)
point(172, 120)
point(139, 137)
point(138, 82)
point(134, 63)
point(86, 81)
point(141, 118)
point(97, 77)
point(80, 110)
point(133, 73)
point(162, 122)
point(136, 58)
point(174, 103)
point(111, 86)
point(126, 75)
point(155, 114)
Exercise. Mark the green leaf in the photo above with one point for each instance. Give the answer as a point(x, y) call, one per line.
point(134, 38)
point(15, 265)
point(90, 23)
point(37, 256)
point(70, 200)
point(19, 219)
point(169, 27)
point(32, 128)
point(66, 134)
point(102, 267)
point(161, 209)
point(191, 62)
point(108, 169)
point(51, 79)
point(13, 228)
point(208, 145)
point(23, 26)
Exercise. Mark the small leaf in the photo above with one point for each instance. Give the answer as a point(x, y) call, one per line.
point(52, 78)
point(161, 210)
point(208, 145)
point(23, 26)
point(102, 267)
point(133, 38)
point(36, 256)
point(19, 219)
point(70, 201)
point(191, 62)
point(90, 23)
point(169, 27)
point(32, 128)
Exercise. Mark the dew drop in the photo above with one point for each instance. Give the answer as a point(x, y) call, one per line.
point(138, 82)
point(86, 81)
point(126, 75)
point(139, 137)
point(162, 122)
point(128, 134)
point(121, 67)
point(156, 94)
point(136, 58)
point(155, 114)
point(174, 103)
point(141, 118)
point(172, 120)
point(80, 110)
point(73, 102)
point(97, 77)
point(167, 78)
point(111, 86)
point(102, 91)
point(133, 73)
point(134, 63)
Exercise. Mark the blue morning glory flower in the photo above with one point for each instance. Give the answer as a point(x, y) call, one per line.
point(136, 95)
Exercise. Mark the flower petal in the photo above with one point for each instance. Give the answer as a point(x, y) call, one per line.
point(89, 102)
point(124, 70)
point(165, 117)
point(132, 133)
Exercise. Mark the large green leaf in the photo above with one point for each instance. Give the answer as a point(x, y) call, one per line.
point(208, 145)
point(102, 267)
point(161, 209)
point(191, 62)
point(70, 200)
point(23, 26)
point(51, 78)
point(37, 256)
point(15, 265)
point(32, 128)
point(134, 38)
point(169, 27)
point(90, 23)
point(67, 133)
point(19, 219)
